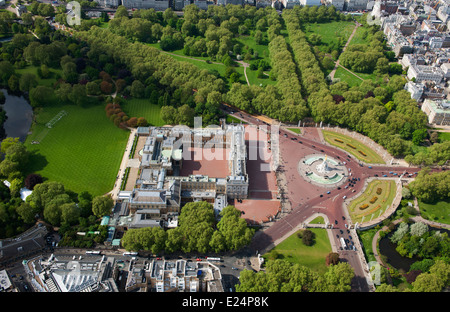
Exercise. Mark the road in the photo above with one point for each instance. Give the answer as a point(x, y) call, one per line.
point(307, 199)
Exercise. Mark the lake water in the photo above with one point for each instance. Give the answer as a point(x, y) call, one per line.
point(20, 116)
point(387, 248)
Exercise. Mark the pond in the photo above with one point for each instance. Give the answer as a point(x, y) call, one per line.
point(20, 116)
point(387, 248)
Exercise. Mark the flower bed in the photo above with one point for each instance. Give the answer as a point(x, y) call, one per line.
point(374, 199)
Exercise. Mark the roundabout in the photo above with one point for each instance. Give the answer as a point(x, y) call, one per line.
point(322, 170)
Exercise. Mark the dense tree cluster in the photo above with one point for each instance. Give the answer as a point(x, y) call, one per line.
point(436, 154)
point(197, 232)
point(311, 74)
point(283, 276)
point(431, 187)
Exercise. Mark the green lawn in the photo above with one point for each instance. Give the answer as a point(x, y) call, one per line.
point(143, 108)
point(348, 77)
point(249, 41)
point(371, 157)
point(83, 150)
point(330, 31)
point(366, 238)
point(438, 212)
point(444, 136)
point(45, 82)
point(231, 119)
point(293, 250)
point(374, 209)
point(296, 130)
point(360, 36)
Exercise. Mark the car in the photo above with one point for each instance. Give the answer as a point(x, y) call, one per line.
point(344, 197)
point(346, 187)
point(342, 232)
point(313, 146)
point(395, 174)
point(233, 268)
point(384, 175)
point(338, 187)
point(376, 175)
point(328, 192)
point(300, 142)
point(391, 172)
point(321, 195)
point(322, 151)
point(370, 167)
point(335, 222)
point(343, 218)
point(198, 259)
point(337, 235)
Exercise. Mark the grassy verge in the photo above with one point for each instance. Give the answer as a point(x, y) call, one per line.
point(296, 130)
point(353, 147)
point(293, 250)
point(83, 150)
point(438, 212)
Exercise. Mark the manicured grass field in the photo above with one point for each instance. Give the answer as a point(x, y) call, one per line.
point(439, 211)
point(373, 209)
point(83, 150)
point(293, 250)
point(143, 108)
point(348, 77)
point(330, 31)
point(359, 38)
point(371, 156)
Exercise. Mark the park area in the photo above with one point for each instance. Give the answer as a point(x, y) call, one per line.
point(377, 197)
point(82, 150)
point(353, 147)
point(293, 250)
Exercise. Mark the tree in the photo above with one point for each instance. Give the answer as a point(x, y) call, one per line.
point(26, 212)
point(233, 229)
point(7, 142)
point(168, 114)
point(338, 277)
point(332, 258)
point(185, 115)
point(418, 229)
point(141, 122)
point(70, 213)
point(41, 96)
point(419, 135)
point(102, 205)
point(52, 210)
point(427, 282)
point(121, 12)
point(27, 81)
point(32, 180)
point(402, 230)
point(137, 89)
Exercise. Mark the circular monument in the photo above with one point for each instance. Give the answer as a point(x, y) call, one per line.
point(322, 170)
